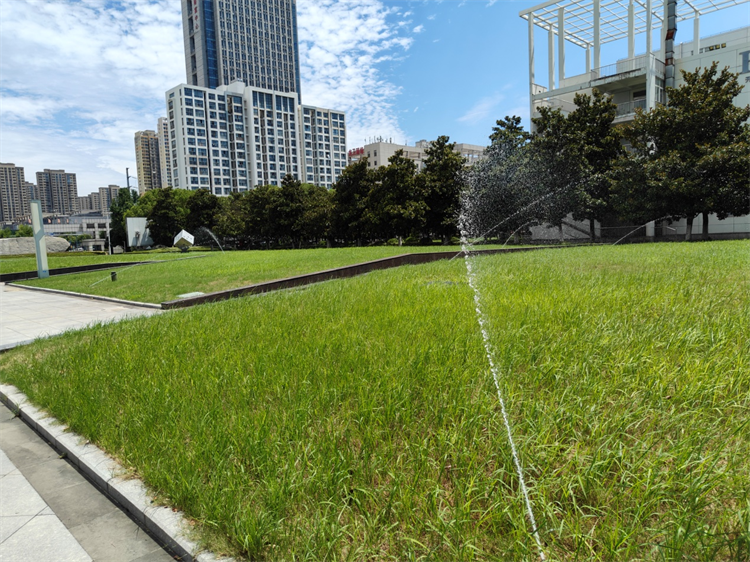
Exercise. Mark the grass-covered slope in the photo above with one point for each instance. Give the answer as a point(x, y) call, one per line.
point(357, 419)
point(14, 264)
point(216, 271)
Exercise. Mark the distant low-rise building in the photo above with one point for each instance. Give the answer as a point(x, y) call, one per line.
point(379, 151)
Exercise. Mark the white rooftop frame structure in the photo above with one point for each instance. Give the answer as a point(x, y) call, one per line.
point(591, 23)
point(579, 23)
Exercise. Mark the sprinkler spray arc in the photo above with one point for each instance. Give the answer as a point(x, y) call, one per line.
point(463, 225)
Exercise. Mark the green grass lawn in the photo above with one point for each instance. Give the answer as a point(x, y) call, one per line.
point(217, 271)
point(357, 419)
point(14, 264)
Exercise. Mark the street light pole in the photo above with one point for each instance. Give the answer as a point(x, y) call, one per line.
point(127, 182)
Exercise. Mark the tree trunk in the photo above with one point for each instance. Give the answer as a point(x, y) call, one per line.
point(705, 235)
point(689, 229)
point(516, 237)
point(562, 236)
point(592, 230)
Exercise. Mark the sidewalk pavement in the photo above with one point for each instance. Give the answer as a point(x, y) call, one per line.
point(48, 511)
point(26, 315)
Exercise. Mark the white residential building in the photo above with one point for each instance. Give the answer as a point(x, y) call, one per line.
point(162, 133)
point(634, 80)
point(234, 137)
point(242, 40)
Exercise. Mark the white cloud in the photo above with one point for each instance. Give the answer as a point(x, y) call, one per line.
point(418, 29)
point(79, 77)
point(341, 44)
point(77, 83)
point(481, 110)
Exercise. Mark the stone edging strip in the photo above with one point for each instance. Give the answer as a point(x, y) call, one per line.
point(167, 526)
point(337, 273)
point(87, 296)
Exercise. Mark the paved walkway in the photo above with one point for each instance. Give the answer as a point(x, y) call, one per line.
point(26, 315)
point(48, 511)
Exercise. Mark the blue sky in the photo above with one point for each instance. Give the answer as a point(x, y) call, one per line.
point(79, 77)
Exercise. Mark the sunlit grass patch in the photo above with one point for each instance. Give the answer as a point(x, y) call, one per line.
point(217, 271)
point(14, 264)
point(357, 419)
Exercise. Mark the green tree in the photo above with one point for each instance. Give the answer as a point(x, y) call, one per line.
point(575, 155)
point(499, 194)
point(291, 210)
point(202, 206)
point(168, 215)
point(24, 231)
point(120, 206)
point(509, 133)
point(75, 239)
point(694, 152)
point(442, 182)
point(317, 213)
point(554, 159)
point(599, 146)
point(264, 210)
point(231, 217)
point(350, 195)
point(395, 205)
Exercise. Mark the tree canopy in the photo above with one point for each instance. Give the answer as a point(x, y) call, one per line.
point(690, 156)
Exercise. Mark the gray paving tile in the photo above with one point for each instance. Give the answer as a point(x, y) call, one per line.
point(109, 538)
point(43, 539)
point(155, 556)
point(6, 467)
point(11, 523)
point(53, 477)
point(80, 504)
point(23, 447)
point(95, 523)
point(30, 314)
point(19, 497)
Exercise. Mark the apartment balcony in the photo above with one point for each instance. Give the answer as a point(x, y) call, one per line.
point(564, 106)
point(626, 111)
point(622, 72)
point(627, 68)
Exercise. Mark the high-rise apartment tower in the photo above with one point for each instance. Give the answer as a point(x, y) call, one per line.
point(58, 191)
point(162, 131)
point(252, 41)
point(148, 161)
point(14, 193)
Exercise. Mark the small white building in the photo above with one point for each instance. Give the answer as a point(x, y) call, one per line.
point(379, 151)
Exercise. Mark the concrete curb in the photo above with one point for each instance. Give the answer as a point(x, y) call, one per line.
point(167, 526)
point(87, 296)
